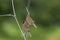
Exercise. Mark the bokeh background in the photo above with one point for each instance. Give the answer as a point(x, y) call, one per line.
point(45, 13)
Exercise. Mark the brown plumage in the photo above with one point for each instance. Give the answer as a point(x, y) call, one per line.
point(26, 28)
point(30, 21)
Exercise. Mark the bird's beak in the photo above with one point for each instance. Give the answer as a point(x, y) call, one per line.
point(34, 25)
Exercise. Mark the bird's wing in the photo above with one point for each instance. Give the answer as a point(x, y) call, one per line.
point(29, 20)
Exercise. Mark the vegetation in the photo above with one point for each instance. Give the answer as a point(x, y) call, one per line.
point(45, 13)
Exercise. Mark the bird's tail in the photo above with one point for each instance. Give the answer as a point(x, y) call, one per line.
point(29, 34)
point(34, 25)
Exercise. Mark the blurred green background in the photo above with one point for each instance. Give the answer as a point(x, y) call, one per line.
point(45, 13)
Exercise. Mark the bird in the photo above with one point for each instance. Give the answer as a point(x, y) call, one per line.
point(26, 29)
point(30, 21)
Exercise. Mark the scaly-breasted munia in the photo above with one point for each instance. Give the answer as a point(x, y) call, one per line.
point(26, 28)
point(30, 21)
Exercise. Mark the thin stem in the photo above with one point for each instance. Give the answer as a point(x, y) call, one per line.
point(28, 6)
point(27, 11)
point(13, 8)
point(17, 21)
point(20, 28)
point(7, 15)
